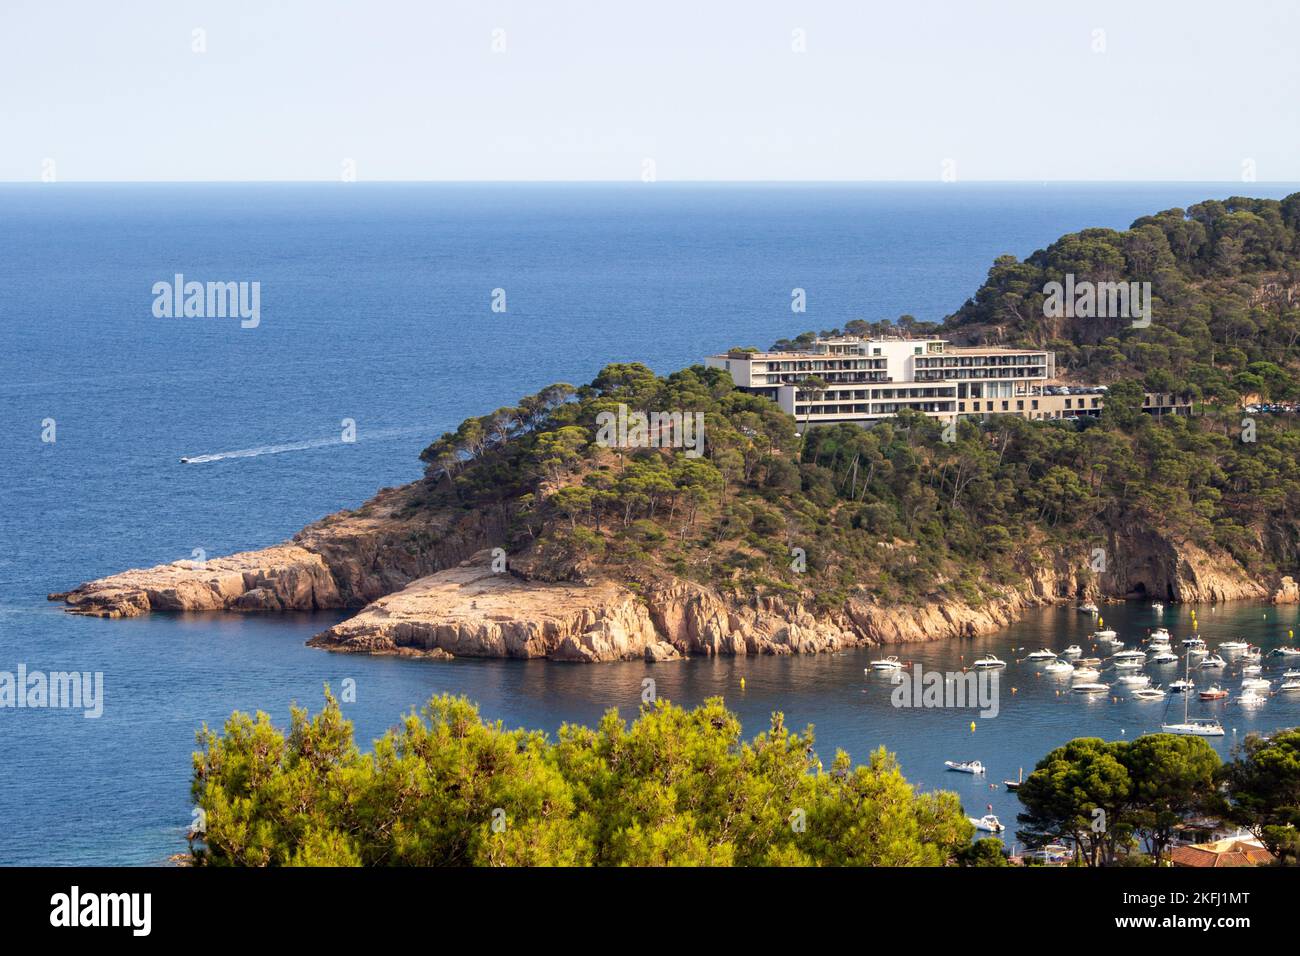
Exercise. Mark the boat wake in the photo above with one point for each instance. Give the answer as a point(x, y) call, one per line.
point(362, 436)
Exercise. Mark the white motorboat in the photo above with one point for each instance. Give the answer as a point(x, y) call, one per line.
point(988, 823)
point(1165, 657)
point(1086, 673)
point(1059, 667)
point(1250, 698)
point(1250, 670)
point(1291, 683)
point(1193, 642)
point(1130, 655)
point(964, 766)
point(1089, 608)
point(1257, 683)
point(1105, 635)
point(1128, 664)
point(1074, 650)
point(1088, 687)
point(1214, 660)
point(1233, 646)
point(1042, 654)
point(1182, 686)
point(1133, 680)
point(1157, 607)
point(1161, 636)
point(1287, 652)
point(886, 664)
point(1252, 654)
point(1288, 674)
point(988, 662)
point(1149, 693)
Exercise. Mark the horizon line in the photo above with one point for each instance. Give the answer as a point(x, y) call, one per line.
point(637, 182)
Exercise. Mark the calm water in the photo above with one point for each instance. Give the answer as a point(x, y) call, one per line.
point(376, 307)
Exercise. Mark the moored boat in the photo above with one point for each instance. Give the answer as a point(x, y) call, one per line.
point(964, 766)
point(988, 823)
point(988, 662)
point(1213, 692)
point(1214, 660)
point(887, 664)
point(1088, 687)
point(1074, 650)
point(1042, 654)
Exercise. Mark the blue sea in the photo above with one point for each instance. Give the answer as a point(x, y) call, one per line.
point(376, 307)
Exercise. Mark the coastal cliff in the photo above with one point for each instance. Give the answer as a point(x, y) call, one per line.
point(425, 584)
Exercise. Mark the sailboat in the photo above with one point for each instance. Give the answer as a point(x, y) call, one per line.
point(1015, 784)
point(1197, 727)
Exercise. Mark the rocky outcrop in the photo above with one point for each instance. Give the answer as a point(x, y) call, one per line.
point(344, 560)
point(1287, 591)
point(285, 577)
point(426, 585)
point(473, 611)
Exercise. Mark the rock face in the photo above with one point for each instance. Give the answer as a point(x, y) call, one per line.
point(1287, 591)
point(344, 560)
point(472, 611)
point(285, 577)
point(425, 585)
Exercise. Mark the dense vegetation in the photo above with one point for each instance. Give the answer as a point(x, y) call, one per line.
point(1124, 801)
point(675, 787)
point(895, 511)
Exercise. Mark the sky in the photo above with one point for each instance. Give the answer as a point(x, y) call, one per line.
point(195, 90)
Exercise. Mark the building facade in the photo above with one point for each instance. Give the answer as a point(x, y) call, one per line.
point(865, 380)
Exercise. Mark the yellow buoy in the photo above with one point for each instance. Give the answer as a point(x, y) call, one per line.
point(972, 726)
point(742, 683)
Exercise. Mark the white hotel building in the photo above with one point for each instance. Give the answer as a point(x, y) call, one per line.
point(870, 379)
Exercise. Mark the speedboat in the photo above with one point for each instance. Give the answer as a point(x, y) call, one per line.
point(1161, 636)
point(1074, 650)
point(1250, 670)
point(1213, 692)
point(1128, 664)
point(1290, 674)
point(1196, 727)
point(1193, 641)
point(964, 766)
point(1287, 652)
point(988, 662)
point(1233, 646)
point(1257, 683)
point(1131, 655)
point(1214, 660)
point(1042, 654)
point(1088, 662)
point(887, 664)
point(1157, 607)
point(1252, 654)
point(1250, 698)
point(988, 823)
point(1291, 683)
point(1165, 657)
point(185, 461)
point(1106, 635)
point(1090, 688)
point(1149, 693)
point(1089, 608)
point(1086, 673)
point(1059, 667)
point(1182, 686)
point(1133, 680)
